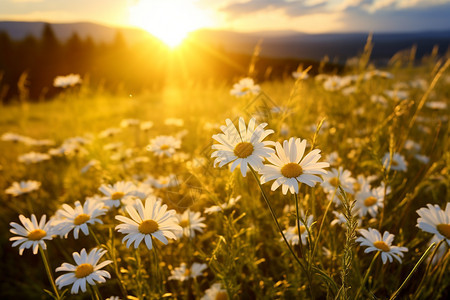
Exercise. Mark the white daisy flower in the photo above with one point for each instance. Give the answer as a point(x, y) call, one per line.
point(242, 148)
point(183, 273)
point(174, 122)
point(164, 145)
point(78, 218)
point(398, 162)
point(335, 178)
point(33, 157)
point(146, 126)
point(215, 292)
point(93, 163)
point(12, 137)
point(221, 207)
point(66, 81)
point(375, 242)
point(288, 166)
point(23, 187)
point(291, 233)
point(435, 220)
point(191, 222)
point(129, 123)
point(86, 269)
point(109, 132)
point(246, 86)
point(164, 181)
point(151, 220)
point(369, 201)
point(118, 192)
point(31, 234)
point(440, 252)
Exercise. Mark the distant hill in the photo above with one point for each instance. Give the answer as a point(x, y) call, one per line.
point(276, 44)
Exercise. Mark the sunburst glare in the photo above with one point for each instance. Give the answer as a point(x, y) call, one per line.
point(169, 20)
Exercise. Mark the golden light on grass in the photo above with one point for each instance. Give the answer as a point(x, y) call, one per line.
point(169, 20)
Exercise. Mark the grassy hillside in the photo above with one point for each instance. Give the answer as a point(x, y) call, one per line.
point(356, 120)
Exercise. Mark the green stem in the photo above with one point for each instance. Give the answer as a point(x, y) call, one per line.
point(321, 224)
point(49, 273)
point(422, 258)
point(96, 292)
point(138, 273)
point(298, 226)
point(366, 276)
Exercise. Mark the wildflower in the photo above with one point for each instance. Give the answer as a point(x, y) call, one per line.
point(215, 292)
point(183, 273)
point(422, 158)
point(396, 94)
point(93, 163)
point(78, 218)
point(375, 242)
point(118, 192)
point(438, 105)
point(33, 157)
point(31, 234)
point(334, 83)
point(335, 178)
point(174, 122)
point(398, 162)
point(146, 126)
point(66, 81)
point(291, 232)
point(244, 147)
point(300, 75)
point(163, 181)
point(230, 203)
point(143, 190)
point(12, 137)
point(288, 166)
point(378, 99)
point(369, 200)
point(129, 123)
point(151, 220)
point(86, 269)
point(109, 132)
point(435, 220)
point(190, 222)
point(440, 252)
point(245, 86)
point(23, 187)
point(112, 146)
point(164, 145)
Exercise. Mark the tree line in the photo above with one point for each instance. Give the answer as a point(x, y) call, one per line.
point(30, 65)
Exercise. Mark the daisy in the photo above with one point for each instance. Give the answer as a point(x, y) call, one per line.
point(23, 187)
point(291, 232)
point(164, 145)
point(33, 157)
point(288, 166)
point(12, 137)
point(435, 220)
point(93, 163)
point(245, 86)
point(183, 273)
point(146, 126)
point(165, 181)
point(86, 269)
point(369, 201)
point(151, 220)
point(190, 222)
point(335, 178)
point(215, 292)
point(440, 252)
point(118, 192)
point(78, 218)
point(375, 242)
point(244, 147)
point(174, 122)
point(66, 81)
point(129, 123)
point(109, 132)
point(31, 234)
point(398, 162)
point(221, 207)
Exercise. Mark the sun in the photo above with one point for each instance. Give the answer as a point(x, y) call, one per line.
point(168, 20)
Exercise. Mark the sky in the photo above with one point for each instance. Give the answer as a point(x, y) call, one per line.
point(310, 16)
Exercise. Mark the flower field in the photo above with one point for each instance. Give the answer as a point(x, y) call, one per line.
point(327, 186)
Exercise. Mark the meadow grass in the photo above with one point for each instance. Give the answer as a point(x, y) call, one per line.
point(241, 245)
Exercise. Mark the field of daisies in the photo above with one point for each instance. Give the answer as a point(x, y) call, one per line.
point(327, 186)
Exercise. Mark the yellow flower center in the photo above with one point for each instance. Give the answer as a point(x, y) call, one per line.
point(243, 150)
point(36, 234)
point(291, 170)
point(184, 223)
point(221, 296)
point(117, 195)
point(394, 163)
point(164, 147)
point(302, 229)
point(444, 229)
point(83, 270)
point(245, 89)
point(81, 218)
point(382, 246)
point(148, 227)
point(334, 181)
point(370, 201)
point(187, 272)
